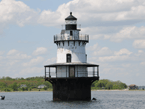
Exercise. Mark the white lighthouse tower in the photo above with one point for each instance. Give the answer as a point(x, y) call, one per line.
point(71, 79)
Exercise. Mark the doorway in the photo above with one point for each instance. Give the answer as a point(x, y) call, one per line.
point(71, 71)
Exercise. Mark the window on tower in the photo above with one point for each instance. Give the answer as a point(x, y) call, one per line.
point(68, 58)
point(71, 33)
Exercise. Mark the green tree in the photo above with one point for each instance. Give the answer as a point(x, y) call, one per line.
point(115, 86)
point(48, 84)
point(109, 85)
point(45, 88)
point(14, 86)
point(101, 83)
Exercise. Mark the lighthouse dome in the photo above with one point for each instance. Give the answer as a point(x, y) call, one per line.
point(70, 17)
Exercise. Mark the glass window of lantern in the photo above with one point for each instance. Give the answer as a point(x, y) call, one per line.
point(71, 21)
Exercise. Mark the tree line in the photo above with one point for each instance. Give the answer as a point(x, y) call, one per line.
point(108, 84)
point(32, 83)
point(21, 84)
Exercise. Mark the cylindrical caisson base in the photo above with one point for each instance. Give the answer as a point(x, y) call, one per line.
point(72, 88)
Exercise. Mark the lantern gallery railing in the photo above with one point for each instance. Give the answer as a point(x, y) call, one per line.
point(64, 37)
point(66, 75)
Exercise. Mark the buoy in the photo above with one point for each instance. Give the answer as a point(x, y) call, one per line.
point(2, 97)
point(94, 99)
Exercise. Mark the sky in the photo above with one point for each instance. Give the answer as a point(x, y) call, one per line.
point(116, 29)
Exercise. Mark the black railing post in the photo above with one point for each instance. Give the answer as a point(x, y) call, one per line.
point(66, 71)
point(45, 73)
point(98, 70)
point(77, 71)
point(93, 72)
point(49, 72)
point(56, 72)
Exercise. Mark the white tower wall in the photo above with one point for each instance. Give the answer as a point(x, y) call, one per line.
point(75, 48)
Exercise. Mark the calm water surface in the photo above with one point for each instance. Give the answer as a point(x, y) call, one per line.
point(105, 100)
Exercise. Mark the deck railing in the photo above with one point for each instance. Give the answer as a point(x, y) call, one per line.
point(63, 37)
point(77, 74)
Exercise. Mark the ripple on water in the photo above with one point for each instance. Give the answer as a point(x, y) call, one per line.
point(105, 100)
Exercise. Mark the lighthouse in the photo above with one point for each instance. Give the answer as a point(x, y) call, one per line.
point(71, 76)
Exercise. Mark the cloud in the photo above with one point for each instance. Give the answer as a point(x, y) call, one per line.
point(13, 62)
point(99, 13)
point(116, 34)
point(37, 71)
point(127, 33)
point(120, 55)
point(139, 43)
point(49, 18)
point(12, 52)
point(140, 51)
point(98, 51)
point(1, 57)
point(50, 61)
point(99, 32)
point(16, 12)
point(103, 51)
point(113, 58)
point(94, 47)
point(142, 63)
point(15, 54)
point(34, 61)
point(123, 51)
point(2, 52)
point(40, 50)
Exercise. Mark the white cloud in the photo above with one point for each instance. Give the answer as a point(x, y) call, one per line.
point(34, 61)
point(94, 47)
point(35, 71)
point(140, 51)
point(98, 32)
point(113, 58)
point(103, 51)
point(1, 57)
point(120, 55)
point(40, 50)
point(11, 63)
point(110, 12)
point(16, 12)
point(100, 13)
point(116, 34)
point(49, 18)
point(123, 51)
point(2, 52)
point(139, 43)
point(15, 54)
point(126, 65)
point(12, 52)
point(142, 63)
point(50, 61)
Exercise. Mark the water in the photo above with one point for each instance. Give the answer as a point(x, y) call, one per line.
point(105, 100)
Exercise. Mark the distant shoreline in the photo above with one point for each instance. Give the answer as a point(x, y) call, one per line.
point(91, 90)
point(118, 90)
point(112, 90)
point(25, 91)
